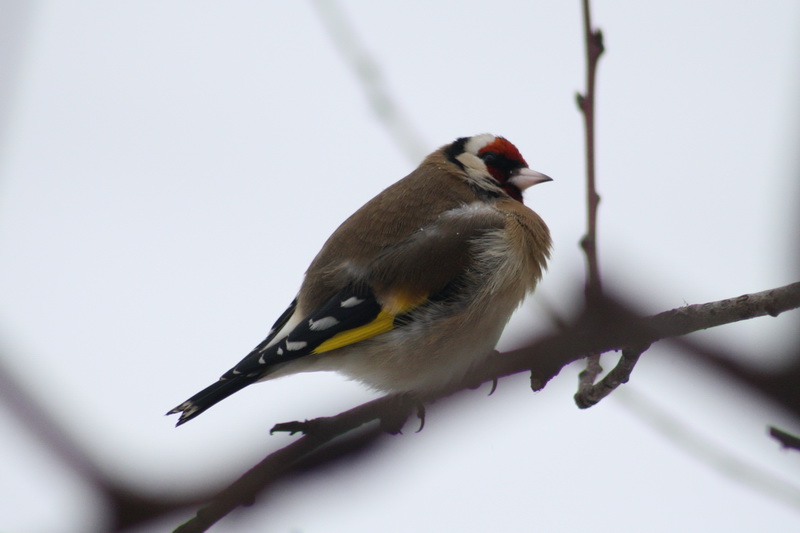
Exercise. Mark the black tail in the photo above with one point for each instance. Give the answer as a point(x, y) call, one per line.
point(209, 396)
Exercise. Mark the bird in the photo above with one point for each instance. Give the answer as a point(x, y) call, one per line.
point(416, 287)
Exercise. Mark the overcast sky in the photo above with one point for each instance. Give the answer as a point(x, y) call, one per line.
point(169, 169)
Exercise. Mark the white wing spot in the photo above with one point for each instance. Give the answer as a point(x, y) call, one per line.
point(294, 346)
point(322, 323)
point(261, 361)
point(280, 351)
point(236, 372)
point(351, 302)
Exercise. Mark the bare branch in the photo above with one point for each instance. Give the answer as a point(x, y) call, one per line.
point(590, 395)
point(391, 411)
point(330, 438)
point(544, 359)
point(129, 507)
point(779, 387)
point(787, 440)
point(588, 376)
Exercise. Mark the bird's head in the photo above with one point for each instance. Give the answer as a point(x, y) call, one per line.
point(493, 164)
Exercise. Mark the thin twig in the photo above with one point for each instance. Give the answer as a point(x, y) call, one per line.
point(594, 288)
point(709, 452)
point(594, 49)
point(368, 74)
point(776, 386)
point(588, 376)
point(787, 440)
point(591, 394)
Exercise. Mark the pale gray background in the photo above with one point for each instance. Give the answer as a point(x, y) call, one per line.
point(170, 168)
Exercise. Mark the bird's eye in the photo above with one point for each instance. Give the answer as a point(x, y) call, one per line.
point(490, 158)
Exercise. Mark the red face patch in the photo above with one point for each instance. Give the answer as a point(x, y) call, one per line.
point(502, 147)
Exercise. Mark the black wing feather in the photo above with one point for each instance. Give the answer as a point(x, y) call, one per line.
point(278, 325)
point(308, 334)
point(348, 309)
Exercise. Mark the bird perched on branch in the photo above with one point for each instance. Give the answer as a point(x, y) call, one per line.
point(416, 286)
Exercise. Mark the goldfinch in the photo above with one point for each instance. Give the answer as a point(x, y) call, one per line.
point(416, 286)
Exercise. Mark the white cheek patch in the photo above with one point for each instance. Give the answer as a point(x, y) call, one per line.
point(472, 162)
point(477, 173)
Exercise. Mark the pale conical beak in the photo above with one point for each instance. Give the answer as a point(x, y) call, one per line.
point(525, 177)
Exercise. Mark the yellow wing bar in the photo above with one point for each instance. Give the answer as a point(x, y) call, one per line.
point(380, 324)
point(394, 304)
